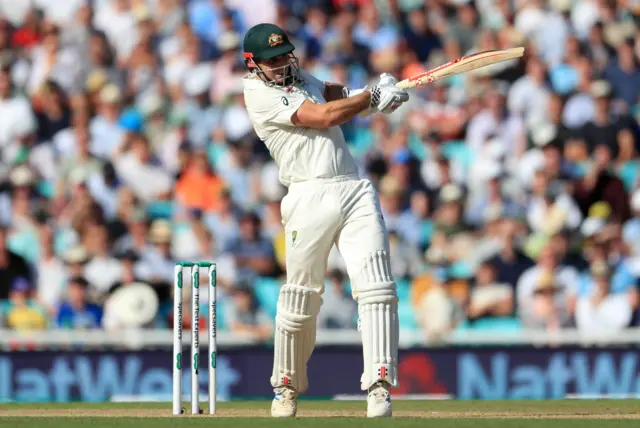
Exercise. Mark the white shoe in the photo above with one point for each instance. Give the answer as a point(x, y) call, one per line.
point(379, 401)
point(285, 402)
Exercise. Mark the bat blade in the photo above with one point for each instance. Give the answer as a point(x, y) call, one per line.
point(461, 65)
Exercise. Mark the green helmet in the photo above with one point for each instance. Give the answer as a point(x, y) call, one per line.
point(265, 41)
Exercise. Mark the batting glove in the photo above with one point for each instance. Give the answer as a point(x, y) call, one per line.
point(385, 96)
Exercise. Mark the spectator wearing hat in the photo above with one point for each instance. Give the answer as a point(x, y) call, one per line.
point(203, 117)
point(22, 312)
point(106, 134)
point(245, 317)
point(449, 217)
point(76, 311)
point(551, 276)
point(396, 217)
point(546, 308)
point(225, 82)
point(600, 310)
point(602, 129)
point(156, 263)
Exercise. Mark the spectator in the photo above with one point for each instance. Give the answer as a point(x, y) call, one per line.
point(244, 316)
point(489, 299)
point(546, 311)
point(601, 310)
point(106, 134)
point(510, 262)
point(253, 253)
point(393, 209)
point(50, 270)
point(156, 264)
point(103, 270)
point(224, 224)
point(12, 267)
point(338, 309)
point(138, 171)
point(624, 73)
point(21, 311)
point(198, 186)
point(556, 284)
point(76, 312)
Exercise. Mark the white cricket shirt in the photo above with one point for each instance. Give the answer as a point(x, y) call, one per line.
point(301, 153)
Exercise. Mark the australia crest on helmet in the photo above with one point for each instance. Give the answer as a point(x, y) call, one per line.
point(275, 39)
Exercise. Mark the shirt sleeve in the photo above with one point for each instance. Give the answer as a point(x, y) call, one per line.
point(272, 106)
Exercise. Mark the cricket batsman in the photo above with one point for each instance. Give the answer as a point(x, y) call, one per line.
point(298, 117)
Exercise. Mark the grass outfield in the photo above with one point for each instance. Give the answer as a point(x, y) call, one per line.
point(340, 414)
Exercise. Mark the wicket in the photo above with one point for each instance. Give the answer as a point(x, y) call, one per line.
point(195, 336)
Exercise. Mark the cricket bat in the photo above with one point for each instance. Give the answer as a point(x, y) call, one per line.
point(460, 65)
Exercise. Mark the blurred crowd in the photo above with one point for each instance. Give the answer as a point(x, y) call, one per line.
point(511, 194)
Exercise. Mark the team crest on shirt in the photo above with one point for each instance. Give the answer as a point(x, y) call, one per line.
point(294, 236)
point(275, 40)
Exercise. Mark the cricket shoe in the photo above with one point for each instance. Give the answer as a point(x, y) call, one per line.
point(379, 400)
point(285, 402)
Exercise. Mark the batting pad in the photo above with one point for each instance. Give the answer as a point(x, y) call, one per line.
point(295, 335)
point(378, 321)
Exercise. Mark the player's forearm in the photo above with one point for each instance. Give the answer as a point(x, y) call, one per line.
point(342, 111)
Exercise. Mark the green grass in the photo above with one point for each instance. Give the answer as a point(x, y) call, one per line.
point(245, 414)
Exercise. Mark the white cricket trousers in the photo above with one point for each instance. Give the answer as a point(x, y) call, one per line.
point(318, 213)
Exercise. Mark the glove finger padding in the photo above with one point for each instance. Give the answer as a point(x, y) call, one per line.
point(387, 79)
point(391, 98)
